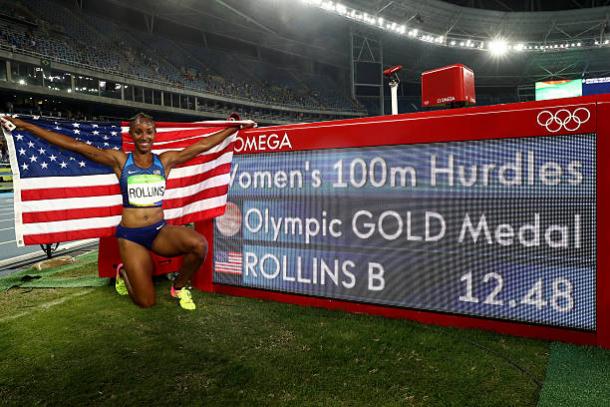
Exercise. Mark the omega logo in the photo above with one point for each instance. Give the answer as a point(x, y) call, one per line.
point(262, 142)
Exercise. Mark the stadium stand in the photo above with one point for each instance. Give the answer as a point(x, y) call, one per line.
point(89, 41)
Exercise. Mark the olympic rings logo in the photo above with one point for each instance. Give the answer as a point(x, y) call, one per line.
point(563, 119)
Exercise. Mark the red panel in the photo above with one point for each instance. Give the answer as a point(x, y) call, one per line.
point(603, 225)
point(474, 123)
point(203, 278)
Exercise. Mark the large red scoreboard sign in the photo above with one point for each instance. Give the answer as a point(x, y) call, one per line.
point(481, 217)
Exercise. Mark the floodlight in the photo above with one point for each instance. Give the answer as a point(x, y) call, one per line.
point(498, 47)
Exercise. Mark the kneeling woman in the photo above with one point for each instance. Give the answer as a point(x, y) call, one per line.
point(142, 227)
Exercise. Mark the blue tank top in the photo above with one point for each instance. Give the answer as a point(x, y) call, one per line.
point(142, 187)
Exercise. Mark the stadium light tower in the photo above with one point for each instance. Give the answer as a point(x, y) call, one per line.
point(392, 74)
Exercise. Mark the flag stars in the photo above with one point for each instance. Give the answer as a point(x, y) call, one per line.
point(76, 131)
point(63, 164)
point(77, 125)
point(95, 126)
point(95, 132)
point(114, 133)
point(30, 144)
point(88, 142)
point(19, 137)
point(41, 151)
point(115, 148)
point(72, 159)
point(44, 165)
point(52, 157)
point(106, 138)
point(82, 164)
point(21, 151)
point(33, 158)
point(24, 167)
point(106, 145)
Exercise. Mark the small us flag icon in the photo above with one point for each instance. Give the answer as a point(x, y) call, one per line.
point(228, 263)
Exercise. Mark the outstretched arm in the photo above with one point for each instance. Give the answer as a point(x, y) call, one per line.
point(110, 158)
point(172, 158)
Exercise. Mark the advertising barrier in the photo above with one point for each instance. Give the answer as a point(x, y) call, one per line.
point(481, 217)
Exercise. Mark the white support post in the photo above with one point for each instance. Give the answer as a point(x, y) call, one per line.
point(394, 95)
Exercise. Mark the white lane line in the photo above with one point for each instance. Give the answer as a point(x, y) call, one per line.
point(7, 242)
point(46, 305)
point(3, 229)
point(62, 247)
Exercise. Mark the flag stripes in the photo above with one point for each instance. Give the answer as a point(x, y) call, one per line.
point(61, 195)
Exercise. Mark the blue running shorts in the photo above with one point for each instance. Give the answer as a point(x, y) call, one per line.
point(144, 236)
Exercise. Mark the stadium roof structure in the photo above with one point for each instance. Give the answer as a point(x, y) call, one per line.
point(572, 43)
point(529, 5)
point(450, 18)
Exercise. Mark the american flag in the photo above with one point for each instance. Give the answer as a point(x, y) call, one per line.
point(228, 262)
point(60, 195)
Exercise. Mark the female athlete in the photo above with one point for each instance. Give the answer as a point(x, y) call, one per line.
point(142, 177)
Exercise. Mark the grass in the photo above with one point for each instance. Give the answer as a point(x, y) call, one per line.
point(578, 376)
point(89, 346)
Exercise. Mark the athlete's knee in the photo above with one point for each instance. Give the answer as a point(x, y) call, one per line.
point(145, 301)
point(199, 246)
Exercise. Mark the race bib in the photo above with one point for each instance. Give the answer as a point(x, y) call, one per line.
point(145, 189)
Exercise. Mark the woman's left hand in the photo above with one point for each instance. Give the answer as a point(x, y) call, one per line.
point(248, 125)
